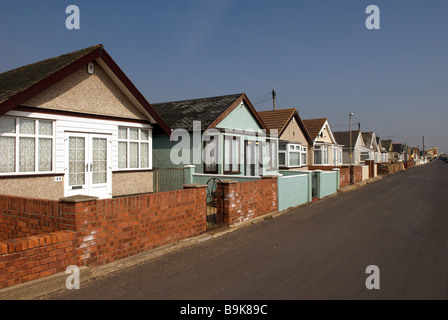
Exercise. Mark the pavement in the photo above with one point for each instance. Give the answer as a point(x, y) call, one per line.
point(37, 288)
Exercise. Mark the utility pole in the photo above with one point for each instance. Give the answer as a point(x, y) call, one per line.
point(350, 115)
point(423, 144)
point(274, 94)
point(423, 153)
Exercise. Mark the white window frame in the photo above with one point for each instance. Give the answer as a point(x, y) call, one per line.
point(289, 149)
point(271, 154)
point(139, 142)
point(234, 152)
point(36, 136)
point(304, 151)
point(323, 149)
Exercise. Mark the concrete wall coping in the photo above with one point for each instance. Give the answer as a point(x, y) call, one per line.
point(194, 185)
point(78, 198)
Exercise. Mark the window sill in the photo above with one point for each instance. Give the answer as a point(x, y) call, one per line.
point(132, 170)
point(29, 175)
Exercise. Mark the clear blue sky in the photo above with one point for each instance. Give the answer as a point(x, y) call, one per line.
point(317, 54)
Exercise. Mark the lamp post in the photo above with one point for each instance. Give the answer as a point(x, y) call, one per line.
point(350, 115)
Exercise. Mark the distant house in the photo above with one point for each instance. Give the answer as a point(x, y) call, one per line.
point(370, 141)
point(75, 125)
point(415, 153)
point(357, 146)
point(324, 149)
point(398, 152)
point(226, 137)
point(387, 148)
point(293, 137)
point(432, 152)
point(382, 155)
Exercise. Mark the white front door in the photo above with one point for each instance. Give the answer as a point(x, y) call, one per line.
point(88, 165)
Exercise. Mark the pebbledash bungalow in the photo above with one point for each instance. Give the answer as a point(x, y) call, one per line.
point(75, 125)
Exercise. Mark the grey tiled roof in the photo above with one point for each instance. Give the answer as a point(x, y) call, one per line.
point(17, 80)
point(343, 137)
point(181, 114)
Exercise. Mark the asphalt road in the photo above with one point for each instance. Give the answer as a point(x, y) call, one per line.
point(317, 251)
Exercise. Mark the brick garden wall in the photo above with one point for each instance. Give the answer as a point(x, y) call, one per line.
point(391, 168)
point(29, 258)
point(247, 200)
point(22, 217)
point(113, 229)
point(39, 237)
point(355, 174)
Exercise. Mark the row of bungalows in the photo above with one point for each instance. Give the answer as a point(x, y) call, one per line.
point(76, 125)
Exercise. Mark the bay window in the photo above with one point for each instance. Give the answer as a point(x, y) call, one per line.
point(292, 155)
point(335, 154)
point(133, 148)
point(26, 145)
point(320, 155)
point(304, 156)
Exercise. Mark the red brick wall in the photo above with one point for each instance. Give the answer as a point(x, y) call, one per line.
point(247, 200)
point(95, 232)
point(355, 174)
point(23, 217)
point(33, 257)
point(112, 229)
point(409, 164)
point(391, 168)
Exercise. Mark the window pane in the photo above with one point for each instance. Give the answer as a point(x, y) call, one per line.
point(227, 153)
point(235, 154)
point(210, 155)
point(122, 133)
point(7, 125)
point(133, 134)
point(76, 168)
point(133, 155)
point(7, 154)
point(144, 155)
point(26, 154)
point(144, 135)
point(99, 160)
point(27, 126)
point(317, 157)
point(282, 146)
point(274, 154)
point(45, 154)
point(282, 158)
point(303, 160)
point(45, 127)
point(122, 155)
point(294, 159)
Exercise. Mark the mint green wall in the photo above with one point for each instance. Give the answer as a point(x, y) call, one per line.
point(240, 118)
point(293, 190)
point(328, 183)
